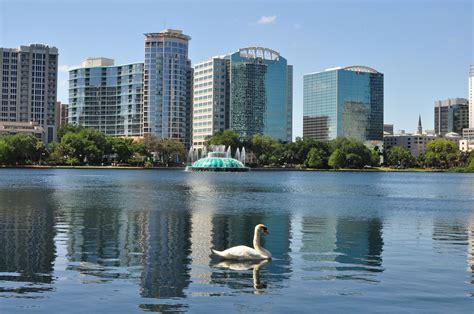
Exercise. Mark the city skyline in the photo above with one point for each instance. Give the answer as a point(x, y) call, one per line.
point(422, 61)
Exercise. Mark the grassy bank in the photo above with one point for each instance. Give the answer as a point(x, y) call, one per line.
point(375, 169)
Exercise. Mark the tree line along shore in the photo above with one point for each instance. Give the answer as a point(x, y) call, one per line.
point(77, 146)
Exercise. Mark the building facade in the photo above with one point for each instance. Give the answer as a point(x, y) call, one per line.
point(261, 99)
point(28, 128)
point(61, 114)
point(471, 96)
point(249, 91)
point(451, 115)
point(106, 97)
point(388, 129)
point(211, 99)
point(346, 102)
point(167, 99)
point(29, 86)
point(415, 143)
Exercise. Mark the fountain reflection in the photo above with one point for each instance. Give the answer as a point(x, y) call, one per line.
point(27, 249)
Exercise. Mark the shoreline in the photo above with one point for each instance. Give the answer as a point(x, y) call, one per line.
point(381, 169)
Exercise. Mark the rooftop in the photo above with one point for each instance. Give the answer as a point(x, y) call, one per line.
point(355, 68)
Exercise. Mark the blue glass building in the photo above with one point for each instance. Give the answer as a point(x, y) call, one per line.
point(346, 102)
point(107, 97)
point(167, 83)
point(261, 93)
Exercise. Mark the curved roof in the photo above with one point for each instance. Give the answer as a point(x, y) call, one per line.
point(216, 162)
point(259, 52)
point(360, 68)
point(452, 134)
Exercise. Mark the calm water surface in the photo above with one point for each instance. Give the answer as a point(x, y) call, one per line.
point(133, 241)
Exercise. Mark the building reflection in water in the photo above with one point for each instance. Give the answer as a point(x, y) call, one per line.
point(454, 237)
point(143, 235)
point(342, 248)
point(27, 249)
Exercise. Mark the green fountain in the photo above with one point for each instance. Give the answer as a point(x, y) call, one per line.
point(217, 159)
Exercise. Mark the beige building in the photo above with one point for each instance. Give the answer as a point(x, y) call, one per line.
point(466, 145)
point(61, 114)
point(211, 94)
point(29, 86)
point(415, 143)
point(28, 128)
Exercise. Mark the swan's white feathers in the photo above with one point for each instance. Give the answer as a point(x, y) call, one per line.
point(240, 252)
point(245, 253)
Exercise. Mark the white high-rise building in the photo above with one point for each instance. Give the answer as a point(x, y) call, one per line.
point(29, 87)
point(211, 94)
point(471, 96)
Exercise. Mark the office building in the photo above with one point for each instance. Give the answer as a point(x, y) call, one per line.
point(167, 98)
point(61, 114)
point(388, 129)
point(249, 91)
point(344, 102)
point(29, 86)
point(260, 93)
point(211, 99)
point(451, 115)
point(107, 97)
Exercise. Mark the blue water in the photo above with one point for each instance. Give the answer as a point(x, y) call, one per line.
point(114, 241)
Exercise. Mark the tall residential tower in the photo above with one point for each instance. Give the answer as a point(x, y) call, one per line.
point(107, 97)
point(29, 86)
point(471, 96)
point(167, 97)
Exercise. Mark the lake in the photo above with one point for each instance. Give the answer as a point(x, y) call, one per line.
point(131, 241)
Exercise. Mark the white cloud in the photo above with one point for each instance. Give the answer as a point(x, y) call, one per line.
point(267, 19)
point(66, 67)
point(297, 26)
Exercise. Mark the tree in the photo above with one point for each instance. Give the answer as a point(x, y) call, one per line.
point(68, 128)
point(441, 153)
point(399, 157)
point(123, 148)
point(5, 152)
point(227, 137)
point(265, 149)
point(23, 147)
point(337, 159)
point(356, 154)
point(317, 158)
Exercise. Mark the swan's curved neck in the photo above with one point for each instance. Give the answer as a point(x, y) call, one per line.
point(256, 241)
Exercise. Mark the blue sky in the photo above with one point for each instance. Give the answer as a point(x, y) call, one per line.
point(424, 48)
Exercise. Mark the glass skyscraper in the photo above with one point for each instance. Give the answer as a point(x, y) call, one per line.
point(107, 97)
point(261, 100)
point(346, 102)
point(167, 82)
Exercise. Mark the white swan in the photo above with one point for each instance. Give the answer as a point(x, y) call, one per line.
point(243, 252)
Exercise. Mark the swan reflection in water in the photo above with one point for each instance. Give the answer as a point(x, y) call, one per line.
point(242, 266)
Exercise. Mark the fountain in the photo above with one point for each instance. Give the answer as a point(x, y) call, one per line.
point(217, 159)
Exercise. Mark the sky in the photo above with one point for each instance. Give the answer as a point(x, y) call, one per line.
point(423, 47)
